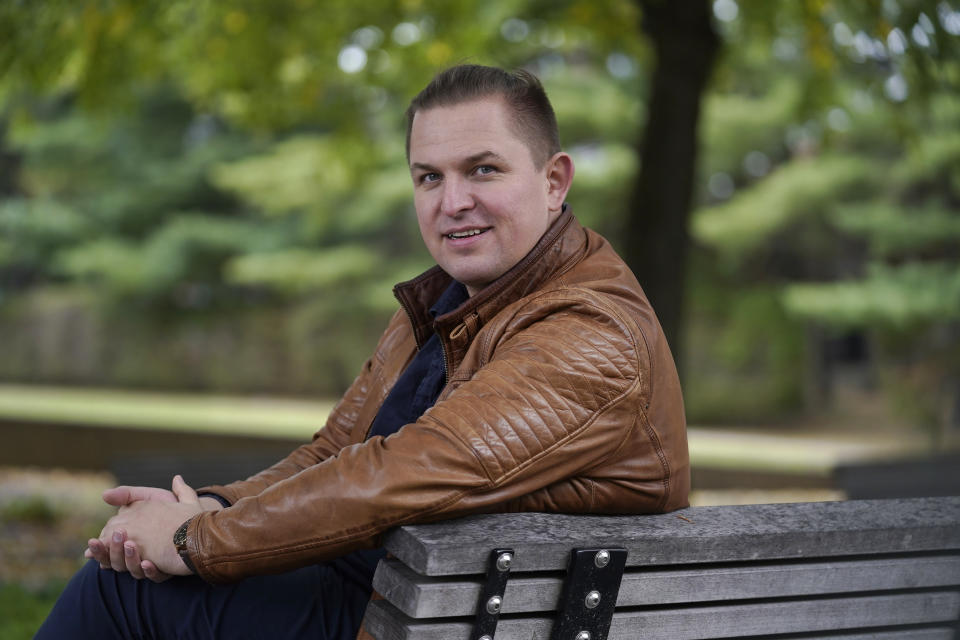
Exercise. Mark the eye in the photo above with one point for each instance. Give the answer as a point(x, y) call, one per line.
point(485, 170)
point(428, 178)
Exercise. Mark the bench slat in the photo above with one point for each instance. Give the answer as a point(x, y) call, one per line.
point(694, 535)
point(385, 622)
point(420, 597)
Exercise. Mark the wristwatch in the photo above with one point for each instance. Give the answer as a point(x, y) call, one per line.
point(180, 542)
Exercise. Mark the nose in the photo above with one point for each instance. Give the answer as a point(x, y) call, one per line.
point(456, 198)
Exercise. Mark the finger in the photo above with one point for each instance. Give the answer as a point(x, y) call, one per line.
point(117, 562)
point(98, 552)
point(184, 492)
point(124, 495)
point(131, 556)
point(152, 573)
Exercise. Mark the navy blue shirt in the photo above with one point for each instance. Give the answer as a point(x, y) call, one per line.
point(415, 391)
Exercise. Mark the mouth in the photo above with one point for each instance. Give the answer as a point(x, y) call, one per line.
point(468, 233)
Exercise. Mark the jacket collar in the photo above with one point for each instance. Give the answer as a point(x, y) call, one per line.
point(558, 249)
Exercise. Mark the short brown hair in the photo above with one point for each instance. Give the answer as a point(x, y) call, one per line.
point(533, 119)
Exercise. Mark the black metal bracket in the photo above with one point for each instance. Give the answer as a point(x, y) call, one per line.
point(491, 594)
point(589, 594)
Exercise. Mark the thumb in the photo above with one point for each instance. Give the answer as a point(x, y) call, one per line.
point(184, 492)
point(118, 496)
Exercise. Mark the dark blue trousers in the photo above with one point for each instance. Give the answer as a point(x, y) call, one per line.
point(313, 602)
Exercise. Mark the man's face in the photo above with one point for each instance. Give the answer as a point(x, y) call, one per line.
point(481, 202)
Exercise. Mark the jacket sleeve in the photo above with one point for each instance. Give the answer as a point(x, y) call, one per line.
point(557, 397)
point(327, 442)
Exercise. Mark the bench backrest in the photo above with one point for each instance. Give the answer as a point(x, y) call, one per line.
point(858, 569)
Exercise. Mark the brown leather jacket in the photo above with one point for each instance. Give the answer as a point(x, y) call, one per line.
point(561, 396)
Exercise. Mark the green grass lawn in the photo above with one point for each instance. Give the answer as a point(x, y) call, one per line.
point(23, 610)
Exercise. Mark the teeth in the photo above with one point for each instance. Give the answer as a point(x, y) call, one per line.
point(465, 234)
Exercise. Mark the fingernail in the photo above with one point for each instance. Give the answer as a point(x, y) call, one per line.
point(117, 537)
point(128, 551)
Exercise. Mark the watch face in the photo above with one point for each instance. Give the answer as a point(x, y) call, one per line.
point(180, 537)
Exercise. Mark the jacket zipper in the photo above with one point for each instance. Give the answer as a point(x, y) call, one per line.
point(446, 379)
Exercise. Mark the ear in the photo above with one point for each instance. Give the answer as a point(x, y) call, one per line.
point(559, 174)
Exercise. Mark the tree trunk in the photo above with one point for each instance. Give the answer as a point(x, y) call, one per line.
point(656, 237)
point(9, 165)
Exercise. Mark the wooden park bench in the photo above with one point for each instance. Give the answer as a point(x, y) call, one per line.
point(880, 569)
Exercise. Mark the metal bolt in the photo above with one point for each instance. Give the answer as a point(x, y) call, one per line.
point(602, 558)
point(592, 599)
point(493, 604)
point(583, 635)
point(504, 561)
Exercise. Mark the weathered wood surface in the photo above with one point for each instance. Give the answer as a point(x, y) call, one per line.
point(696, 535)
point(420, 597)
point(830, 616)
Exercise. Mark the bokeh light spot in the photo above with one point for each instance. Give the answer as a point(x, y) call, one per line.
point(725, 10)
point(896, 42)
point(838, 119)
point(720, 185)
point(842, 34)
point(367, 37)
point(896, 88)
point(352, 59)
point(514, 30)
point(756, 164)
point(620, 65)
point(406, 34)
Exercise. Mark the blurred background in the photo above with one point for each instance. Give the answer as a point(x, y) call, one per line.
point(204, 207)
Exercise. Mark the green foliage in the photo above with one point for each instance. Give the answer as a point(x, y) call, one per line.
point(890, 229)
point(591, 108)
point(741, 339)
point(600, 195)
point(186, 247)
point(33, 229)
point(197, 179)
point(934, 162)
point(832, 179)
point(296, 174)
point(22, 611)
point(802, 188)
point(29, 510)
point(898, 297)
point(735, 124)
point(298, 271)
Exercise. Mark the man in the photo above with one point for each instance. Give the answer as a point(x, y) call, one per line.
point(525, 372)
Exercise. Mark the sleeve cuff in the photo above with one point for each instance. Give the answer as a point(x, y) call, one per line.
point(218, 498)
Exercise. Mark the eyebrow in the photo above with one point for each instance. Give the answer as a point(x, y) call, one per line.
point(483, 155)
point(477, 157)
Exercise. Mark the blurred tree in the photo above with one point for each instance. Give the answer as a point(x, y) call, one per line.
point(214, 157)
point(656, 230)
point(837, 192)
point(269, 175)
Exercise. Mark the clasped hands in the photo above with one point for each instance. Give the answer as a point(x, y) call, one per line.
point(139, 539)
